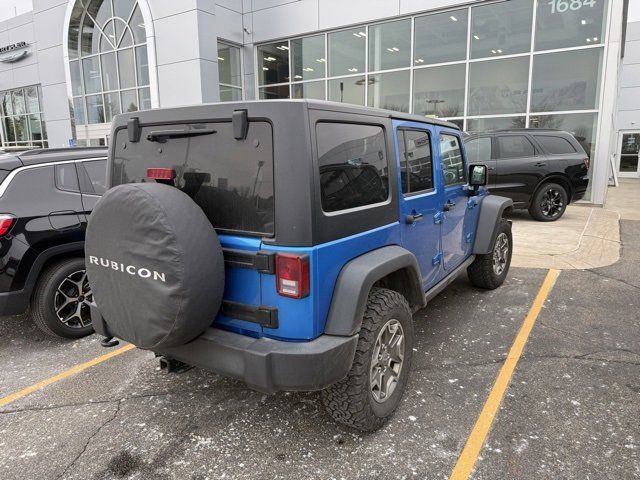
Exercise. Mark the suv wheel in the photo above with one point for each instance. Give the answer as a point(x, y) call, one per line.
point(374, 386)
point(60, 301)
point(489, 271)
point(549, 203)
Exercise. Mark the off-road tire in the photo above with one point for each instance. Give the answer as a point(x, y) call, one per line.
point(536, 210)
point(481, 272)
point(41, 308)
point(350, 401)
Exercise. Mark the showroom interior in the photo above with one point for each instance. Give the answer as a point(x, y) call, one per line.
point(67, 67)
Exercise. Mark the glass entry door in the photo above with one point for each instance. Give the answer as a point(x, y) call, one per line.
point(629, 154)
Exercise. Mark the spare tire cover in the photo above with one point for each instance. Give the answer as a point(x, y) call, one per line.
point(155, 265)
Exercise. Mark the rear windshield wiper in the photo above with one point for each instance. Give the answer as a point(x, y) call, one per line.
point(164, 135)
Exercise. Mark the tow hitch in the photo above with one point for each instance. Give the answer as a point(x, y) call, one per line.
point(171, 365)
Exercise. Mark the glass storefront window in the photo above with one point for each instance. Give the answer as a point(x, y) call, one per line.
point(498, 86)
point(273, 63)
point(497, 123)
point(145, 98)
point(309, 60)
point(581, 125)
point(440, 38)
point(566, 80)
point(271, 93)
point(389, 91)
point(229, 72)
point(347, 51)
point(502, 28)
point(308, 90)
point(567, 23)
point(20, 118)
point(347, 90)
point(110, 44)
point(129, 101)
point(439, 91)
point(390, 45)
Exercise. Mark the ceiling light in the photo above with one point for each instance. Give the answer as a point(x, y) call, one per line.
point(353, 69)
point(321, 60)
point(476, 37)
point(265, 68)
point(221, 59)
point(269, 59)
point(595, 39)
point(282, 47)
point(454, 19)
point(308, 69)
point(499, 51)
point(588, 40)
point(297, 77)
point(493, 51)
point(356, 34)
point(362, 34)
point(419, 60)
point(583, 21)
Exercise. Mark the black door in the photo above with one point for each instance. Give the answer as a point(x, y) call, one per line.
point(520, 166)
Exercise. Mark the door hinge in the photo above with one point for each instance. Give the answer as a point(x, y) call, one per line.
point(437, 260)
point(438, 218)
point(472, 203)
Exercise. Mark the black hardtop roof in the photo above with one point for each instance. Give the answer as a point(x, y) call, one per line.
point(49, 155)
point(212, 110)
point(520, 130)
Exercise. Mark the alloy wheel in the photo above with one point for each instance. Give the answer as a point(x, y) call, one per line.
point(552, 203)
point(387, 361)
point(500, 254)
point(72, 299)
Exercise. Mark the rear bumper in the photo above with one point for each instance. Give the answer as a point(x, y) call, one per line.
point(14, 303)
point(262, 363)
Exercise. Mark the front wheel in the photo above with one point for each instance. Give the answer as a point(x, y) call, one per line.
point(373, 388)
point(490, 270)
point(549, 203)
point(60, 301)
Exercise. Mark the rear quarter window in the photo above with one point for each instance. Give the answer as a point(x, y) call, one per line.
point(353, 165)
point(555, 145)
point(231, 180)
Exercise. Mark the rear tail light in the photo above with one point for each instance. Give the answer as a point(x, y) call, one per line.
point(161, 173)
point(292, 275)
point(6, 222)
point(585, 161)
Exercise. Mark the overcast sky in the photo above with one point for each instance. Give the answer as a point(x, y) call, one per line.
point(9, 8)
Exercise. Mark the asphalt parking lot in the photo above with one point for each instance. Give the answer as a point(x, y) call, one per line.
point(571, 410)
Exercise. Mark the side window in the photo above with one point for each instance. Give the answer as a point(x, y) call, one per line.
point(555, 145)
point(66, 177)
point(416, 162)
point(515, 146)
point(452, 161)
point(93, 176)
point(478, 149)
point(353, 165)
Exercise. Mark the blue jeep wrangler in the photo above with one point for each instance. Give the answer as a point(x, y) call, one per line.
point(288, 243)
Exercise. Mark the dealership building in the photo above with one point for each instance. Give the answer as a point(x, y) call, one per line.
point(68, 66)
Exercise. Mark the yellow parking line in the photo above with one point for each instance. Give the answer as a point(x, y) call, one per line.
point(61, 376)
point(469, 455)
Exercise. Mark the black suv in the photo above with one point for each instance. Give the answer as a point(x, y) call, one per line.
point(540, 170)
point(45, 198)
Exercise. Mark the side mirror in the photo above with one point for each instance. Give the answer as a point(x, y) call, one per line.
point(477, 175)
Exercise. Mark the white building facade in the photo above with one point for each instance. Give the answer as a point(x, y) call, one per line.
point(69, 66)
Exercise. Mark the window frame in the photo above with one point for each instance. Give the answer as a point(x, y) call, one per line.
point(389, 166)
point(82, 179)
point(55, 177)
point(425, 191)
point(491, 146)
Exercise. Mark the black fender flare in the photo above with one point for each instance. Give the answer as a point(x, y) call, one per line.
point(48, 254)
point(491, 209)
point(359, 275)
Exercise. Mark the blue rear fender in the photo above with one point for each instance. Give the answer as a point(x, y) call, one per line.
point(304, 319)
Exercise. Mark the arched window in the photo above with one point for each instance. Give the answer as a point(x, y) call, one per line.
point(108, 60)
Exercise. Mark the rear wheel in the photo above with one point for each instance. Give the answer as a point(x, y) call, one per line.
point(60, 301)
point(373, 388)
point(549, 203)
point(490, 270)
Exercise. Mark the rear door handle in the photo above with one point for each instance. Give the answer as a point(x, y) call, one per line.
point(540, 164)
point(413, 218)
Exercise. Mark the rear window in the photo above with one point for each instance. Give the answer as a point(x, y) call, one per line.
point(555, 145)
point(353, 165)
point(231, 180)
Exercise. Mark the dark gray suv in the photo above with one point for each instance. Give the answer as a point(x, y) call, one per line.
point(540, 170)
